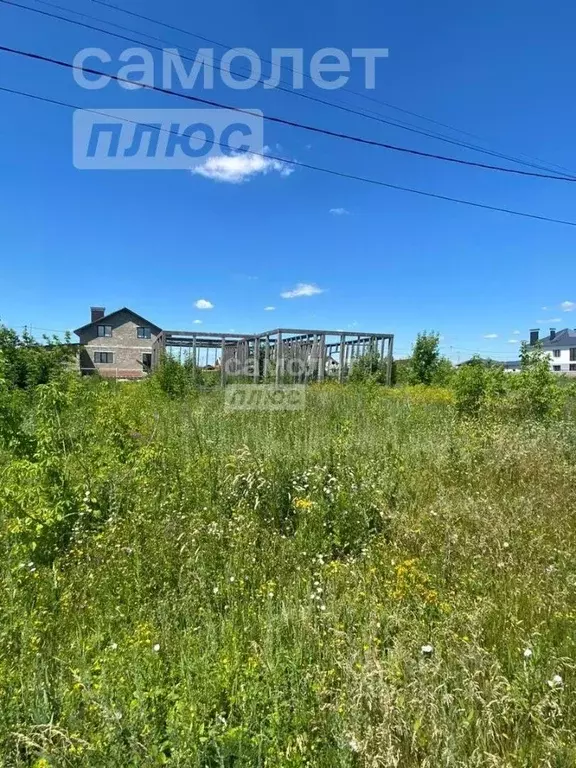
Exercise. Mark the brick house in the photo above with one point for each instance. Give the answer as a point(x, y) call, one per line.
point(118, 344)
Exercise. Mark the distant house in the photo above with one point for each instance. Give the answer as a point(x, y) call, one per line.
point(509, 366)
point(560, 346)
point(118, 345)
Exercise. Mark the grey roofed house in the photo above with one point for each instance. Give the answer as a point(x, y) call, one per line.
point(118, 344)
point(564, 338)
point(560, 346)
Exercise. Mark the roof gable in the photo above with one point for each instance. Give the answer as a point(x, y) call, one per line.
point(102, 320)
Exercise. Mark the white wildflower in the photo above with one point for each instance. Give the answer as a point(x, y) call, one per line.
point(528, 653)
point(556, 682)
point(427, 650)
point(156, 648)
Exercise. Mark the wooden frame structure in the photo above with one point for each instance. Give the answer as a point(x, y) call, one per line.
point(283, 355)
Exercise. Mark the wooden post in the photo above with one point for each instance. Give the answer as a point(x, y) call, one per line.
point(321, 358)
point(390, 361)
point(256, 359)
point(266, 356)
point(278, 357)
point(223, 363)
point(342, 358)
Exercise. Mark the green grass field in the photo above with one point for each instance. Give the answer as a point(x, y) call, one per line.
point(368, 582)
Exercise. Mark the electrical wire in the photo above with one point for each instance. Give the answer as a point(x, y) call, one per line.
point(554, 175)
point(541, 164)
point(295, 163)
point(310, 128)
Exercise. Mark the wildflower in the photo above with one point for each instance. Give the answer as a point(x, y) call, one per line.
point(427, 650)
point(156, 648)
point(556, 682)
point(322, 607)
point(354, 746)
point(528, 653)
point(215, 590)
point(232, 579)
point(113, 646)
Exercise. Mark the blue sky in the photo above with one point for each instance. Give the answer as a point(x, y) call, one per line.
point(392, 262)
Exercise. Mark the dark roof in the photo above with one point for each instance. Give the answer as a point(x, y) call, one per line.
point(102, 320)
point(563, 338)
point(490, 361)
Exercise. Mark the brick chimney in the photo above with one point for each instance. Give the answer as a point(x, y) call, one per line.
point(97, 313)
point(552, 334)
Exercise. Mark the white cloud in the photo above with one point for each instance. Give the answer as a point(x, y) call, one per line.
point(197, 322)
point(239, 168)
point(339, 212)
point(269, 309)
point(203, 304)
point(302, 289)
point(491, 336)
point(516, 333)
point(513, 341)
point(568, 306)
point(544, 309)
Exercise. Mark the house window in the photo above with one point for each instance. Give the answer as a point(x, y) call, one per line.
point(573, 366)
point(573, 354)
point(103, 357)
point(557, 368)
point(144, 333)
point(104, 330)
point(557, 353)
point(146, 362)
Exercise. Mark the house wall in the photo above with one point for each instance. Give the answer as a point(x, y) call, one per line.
point(563, 361)
point(124, 344)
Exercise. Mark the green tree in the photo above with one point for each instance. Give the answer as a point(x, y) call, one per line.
point(25, 362)
point(425, 358)
point(537, 390)
point(478, 386)
point(444, 373)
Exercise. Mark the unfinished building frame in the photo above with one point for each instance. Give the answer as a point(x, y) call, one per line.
point(284, 355)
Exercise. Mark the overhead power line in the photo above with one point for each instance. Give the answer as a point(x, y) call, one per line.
point(551, 174)
point(295, 163)
point(540, 163)
point(293, 123)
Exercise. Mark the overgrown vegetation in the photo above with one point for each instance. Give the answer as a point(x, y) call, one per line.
point(25, 363)
point(385, 578)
